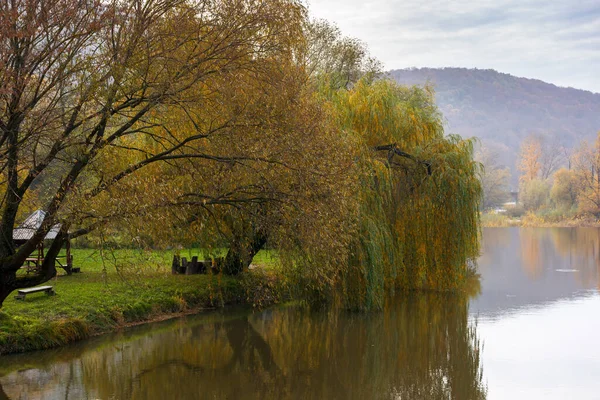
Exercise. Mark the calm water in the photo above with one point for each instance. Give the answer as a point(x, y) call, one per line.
point(530, 332)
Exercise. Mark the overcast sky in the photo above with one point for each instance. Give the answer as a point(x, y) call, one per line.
point(557, 41)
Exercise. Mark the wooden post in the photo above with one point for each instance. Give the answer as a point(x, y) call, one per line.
point(175, 265)
point(184, 265)
point(203, 266)
point(69, 258)
point(192, 267)
point(40, 256)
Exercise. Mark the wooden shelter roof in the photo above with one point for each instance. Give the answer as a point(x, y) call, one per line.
point(31, 224)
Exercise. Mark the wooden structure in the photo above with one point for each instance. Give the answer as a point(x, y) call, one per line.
point(23, 292)
point(34, 262)
point(184, 267)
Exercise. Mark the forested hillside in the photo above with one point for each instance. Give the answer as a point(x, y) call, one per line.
point(502, 109)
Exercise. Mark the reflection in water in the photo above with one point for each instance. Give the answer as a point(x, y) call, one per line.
point(537, 312)
point(537, 321)
point(562, 250)
point(582, 249)
point(531, 247)
point(521, 267)
point(420, 347)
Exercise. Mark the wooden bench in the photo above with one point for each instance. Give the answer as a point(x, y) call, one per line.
point(23, 292)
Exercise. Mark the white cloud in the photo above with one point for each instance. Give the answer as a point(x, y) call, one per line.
point(556, 41)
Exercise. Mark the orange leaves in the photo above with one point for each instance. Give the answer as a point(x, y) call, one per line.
point(530, 163)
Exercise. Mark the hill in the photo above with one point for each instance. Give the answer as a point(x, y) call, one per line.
point(502, 109)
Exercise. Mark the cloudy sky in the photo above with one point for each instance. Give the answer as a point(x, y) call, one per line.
point(557, 41)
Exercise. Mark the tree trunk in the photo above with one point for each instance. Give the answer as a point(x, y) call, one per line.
point(241, 253)
point(3, 395)
point(10, 282)
point(7, 285)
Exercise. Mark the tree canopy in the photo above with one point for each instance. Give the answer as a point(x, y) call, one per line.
point(85, 90)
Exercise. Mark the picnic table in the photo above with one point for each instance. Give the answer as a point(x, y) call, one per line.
point(33, 264)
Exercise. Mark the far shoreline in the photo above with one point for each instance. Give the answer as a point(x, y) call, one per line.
point(534, 221)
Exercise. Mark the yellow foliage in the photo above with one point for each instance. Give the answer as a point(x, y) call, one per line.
point(530, 164)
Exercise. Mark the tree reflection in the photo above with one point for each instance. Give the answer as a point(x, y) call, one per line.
point(492, 239)
point(532, 241)
point(563, 249)
point(421, 346)
point(581, 249)
point(3, 395)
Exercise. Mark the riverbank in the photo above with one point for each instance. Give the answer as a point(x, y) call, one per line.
point(133, 288)
point(536, 221)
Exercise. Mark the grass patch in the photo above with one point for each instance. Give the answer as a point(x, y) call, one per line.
point(119, 288)
point(498, 220)
point(540, 219)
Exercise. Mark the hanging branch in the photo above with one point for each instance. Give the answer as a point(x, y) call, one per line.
point(393, 149)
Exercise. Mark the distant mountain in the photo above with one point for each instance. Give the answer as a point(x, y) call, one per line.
point(502, 109)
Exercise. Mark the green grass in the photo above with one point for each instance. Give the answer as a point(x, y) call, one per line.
point(118, 288)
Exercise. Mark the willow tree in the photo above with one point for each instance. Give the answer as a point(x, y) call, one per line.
point(419, 197)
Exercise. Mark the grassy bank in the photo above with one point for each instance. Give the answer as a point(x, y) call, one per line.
point(120, 288)
point(539, 221)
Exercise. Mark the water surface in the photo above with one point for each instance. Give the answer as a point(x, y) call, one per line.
point(539, 313)
point(529, 333)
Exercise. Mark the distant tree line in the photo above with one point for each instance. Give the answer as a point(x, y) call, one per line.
point(554, 181)
point(563, 181)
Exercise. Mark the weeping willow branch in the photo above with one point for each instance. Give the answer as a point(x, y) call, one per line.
point(393, 150)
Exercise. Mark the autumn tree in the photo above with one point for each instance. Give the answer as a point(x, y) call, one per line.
point(564, 189)
point(586, 166)
point(83, 83)
point(534, 194)
point(540, 157)
point(288, 185)
point(530, 159)
point(407, 175)
point(335, 61)
point(553, 156)
point(293, 183)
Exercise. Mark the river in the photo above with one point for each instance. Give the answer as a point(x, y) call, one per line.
point(527, 330)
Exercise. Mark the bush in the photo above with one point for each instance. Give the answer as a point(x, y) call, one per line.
point(494, 220)
point(515, 211)
point(534, 194)
point(264, 288)
point(556, 214)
